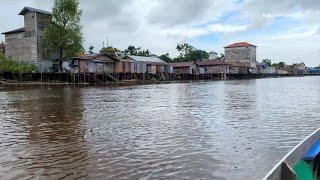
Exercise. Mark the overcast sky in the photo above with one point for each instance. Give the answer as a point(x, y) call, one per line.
point(283, 30)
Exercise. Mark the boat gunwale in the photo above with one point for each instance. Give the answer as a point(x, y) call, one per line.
point(285, 158)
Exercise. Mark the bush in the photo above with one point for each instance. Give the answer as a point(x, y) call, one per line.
point(9, 65)
point(154, 80)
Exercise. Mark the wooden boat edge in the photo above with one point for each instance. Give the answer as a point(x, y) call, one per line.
point(293, 155)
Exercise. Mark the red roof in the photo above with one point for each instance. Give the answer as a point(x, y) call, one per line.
point(181, 64)
point(239, 44)
point(212, 62)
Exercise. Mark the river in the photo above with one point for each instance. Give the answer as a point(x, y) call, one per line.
point(202, 130)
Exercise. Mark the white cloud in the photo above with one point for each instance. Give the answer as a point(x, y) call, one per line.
point(298, 33)
point(160, 24)
point(226, 28)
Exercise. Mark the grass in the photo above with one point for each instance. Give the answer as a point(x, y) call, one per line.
point(9, 65)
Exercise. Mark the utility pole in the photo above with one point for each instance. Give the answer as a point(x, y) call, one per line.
point(107, 41)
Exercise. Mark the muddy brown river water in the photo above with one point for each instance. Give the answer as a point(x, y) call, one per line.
point(203, 130)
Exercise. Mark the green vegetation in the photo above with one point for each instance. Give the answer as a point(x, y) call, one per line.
point(222, 57)
point(187, 53)
point(91, 48)
point(279, 65)
point(136, 51)
point(154, 80)
point(165, 57)
point(109, 51)
point(9, 65)
point(190, 53)
point(63, 36)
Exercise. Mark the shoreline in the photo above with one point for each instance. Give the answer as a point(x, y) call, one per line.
point(10, 83)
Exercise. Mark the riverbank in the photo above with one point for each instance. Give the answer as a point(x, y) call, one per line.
point(132, 82)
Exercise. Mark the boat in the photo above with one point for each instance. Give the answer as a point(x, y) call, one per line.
point(298, 163)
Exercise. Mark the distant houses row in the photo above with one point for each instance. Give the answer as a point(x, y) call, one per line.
point(24, 44)
point(103, 63)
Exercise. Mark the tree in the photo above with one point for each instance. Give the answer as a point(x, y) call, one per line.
point(185, 49)
point(91, 49)
point(222, 57)
point(2, 47)
point(63, 36)
point(190, 53)
point(132, 50)
point(282, 64)
point(267, 61)
point(136, 51)
point(279, 65)
point(165, 57)
point(109, 51)
point(144, 53)
point(196, 55)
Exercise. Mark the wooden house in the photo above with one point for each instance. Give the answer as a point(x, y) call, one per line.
point(238, 68)
point(94, 63)
point(214, 66)
point(125, 66)
point(184, 68)
point(152, 65)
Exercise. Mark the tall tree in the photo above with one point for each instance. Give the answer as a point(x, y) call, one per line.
point(91, 49)
point(109, 51)
point(136, 51)
point(196, 55)
point(144, 53)
point(185, 49)
point(63, 36)
point(222, 57)
point(190, 53)
point(165, 57)
point(132, 50)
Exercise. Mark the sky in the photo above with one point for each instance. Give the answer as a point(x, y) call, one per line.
point(283, 30)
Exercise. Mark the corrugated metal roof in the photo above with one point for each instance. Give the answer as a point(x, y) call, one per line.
point(97, 57)
point(147, 59)
point(25, 9)
point(15, 31)
point(181, 64)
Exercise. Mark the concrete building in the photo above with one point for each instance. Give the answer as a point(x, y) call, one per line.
point(241, 52)
point(24, 44)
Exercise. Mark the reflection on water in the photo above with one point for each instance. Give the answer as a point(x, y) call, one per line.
point(214, 130)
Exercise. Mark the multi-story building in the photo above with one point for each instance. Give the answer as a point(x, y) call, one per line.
point(242, 52)
point(24, 44)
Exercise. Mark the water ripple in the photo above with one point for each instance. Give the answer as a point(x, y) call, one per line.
point(214, 130)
